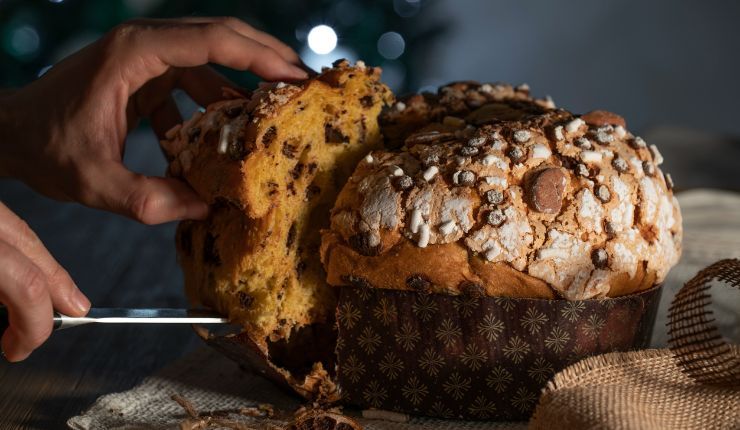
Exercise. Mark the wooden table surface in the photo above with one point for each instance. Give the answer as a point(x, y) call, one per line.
point(120, 263)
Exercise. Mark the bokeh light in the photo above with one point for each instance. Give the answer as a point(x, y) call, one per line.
point(391, 45)
point(317, 61)
point(24, 41)
point(406, 8)
point(322, 39)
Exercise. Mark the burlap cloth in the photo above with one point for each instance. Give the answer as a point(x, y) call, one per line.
point(693, 384)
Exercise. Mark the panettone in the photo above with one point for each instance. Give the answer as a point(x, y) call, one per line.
point(495, 193)
point(270, 166)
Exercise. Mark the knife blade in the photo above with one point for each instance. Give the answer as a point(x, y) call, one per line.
point(129, 316)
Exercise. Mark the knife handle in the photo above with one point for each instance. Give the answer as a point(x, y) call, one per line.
point(5, 320)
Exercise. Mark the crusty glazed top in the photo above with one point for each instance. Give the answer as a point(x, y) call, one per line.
point(575, 201)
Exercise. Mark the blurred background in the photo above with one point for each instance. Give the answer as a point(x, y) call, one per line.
point(671, 68)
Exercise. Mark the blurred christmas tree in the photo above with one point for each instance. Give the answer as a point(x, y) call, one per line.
point(392, 34)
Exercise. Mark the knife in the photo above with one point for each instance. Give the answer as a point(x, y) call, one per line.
point(129, 316)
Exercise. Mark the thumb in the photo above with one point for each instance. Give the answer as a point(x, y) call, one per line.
point(147, 199)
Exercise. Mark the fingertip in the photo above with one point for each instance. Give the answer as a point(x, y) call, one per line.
point(297, 73)
point(197, 210)
point(10, 349)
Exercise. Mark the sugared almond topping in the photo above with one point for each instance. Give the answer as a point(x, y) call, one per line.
point(648, 168)
point(404, 182)
point(465, 178)
point(495, 217)
point(430, 173)
point(521, 136)
point(223, 141)
point(494, 197)
point(637, 142)
point(369, 159)
point(620, 131)
point(574, 125)
point(424, 233)
point(476, 141)
point(603, 135)
point(591, 156)
point(603, 193)
point(583, 143)
point(620, 164)
point(397, 171)
point(669, 181)
point(600, 258)
point(447, 227)
point(516, 154)
point(546, 190)
point(540, 151)
point(601, 117)
point(657, 157)
point(400, 106)
point(558, 132)
point(468, 151)
point(415, 221)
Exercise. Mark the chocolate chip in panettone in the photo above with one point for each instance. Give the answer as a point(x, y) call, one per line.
point(210, 253)
point(419, 282)
point(289, 150)
point(269, 136)
point(603, 193)
point(637, 142)
point(648, 168)
point(583, 143)
point(602, 117)
point(367, 101)
point(364, 243)
point(545, 193)
point(516, 154)
point(430, 160)
point(245, 300)
point(620, 164)
point(603, 135)
point(291, 236)
point(582, 170)
point(403, 182)
point(610, 230)
point(494, 197)
point(464, 178)
point(600, 258)
point(334, 135)
point(522, 136)
point(468, 151)
point(495, 217)
point(476, 142)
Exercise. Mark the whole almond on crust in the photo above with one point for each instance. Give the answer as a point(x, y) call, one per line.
point(546, 190)
point(601, 118)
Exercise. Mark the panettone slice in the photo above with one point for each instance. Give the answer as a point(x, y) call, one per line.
point(271, 166)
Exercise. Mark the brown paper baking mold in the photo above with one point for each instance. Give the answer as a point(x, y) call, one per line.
point(468, 357)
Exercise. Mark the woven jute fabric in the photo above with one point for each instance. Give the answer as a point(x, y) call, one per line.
point(693, 385)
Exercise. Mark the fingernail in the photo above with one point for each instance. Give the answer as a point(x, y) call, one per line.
point(197, 210)
point(81, 303)
point(298, 73)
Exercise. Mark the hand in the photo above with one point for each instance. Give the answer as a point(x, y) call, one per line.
point(32, 284)
point(64, 133)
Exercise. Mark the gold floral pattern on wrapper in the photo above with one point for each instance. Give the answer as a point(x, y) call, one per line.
point(476, 358)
